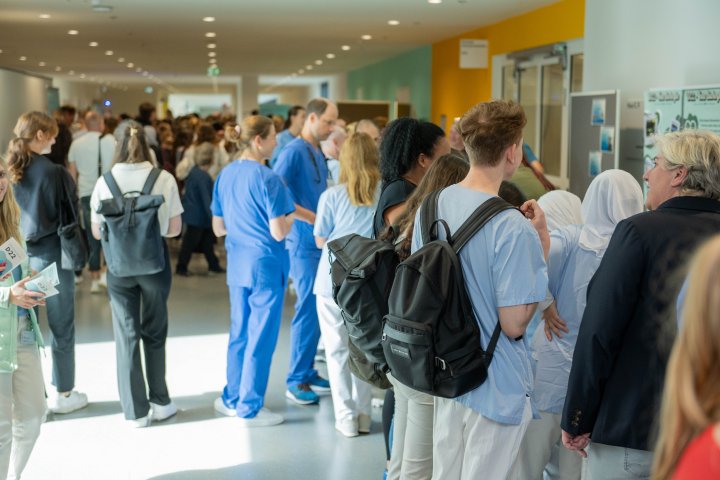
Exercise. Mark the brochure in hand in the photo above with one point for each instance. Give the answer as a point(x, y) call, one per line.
point(12, 256)
point(45, 281)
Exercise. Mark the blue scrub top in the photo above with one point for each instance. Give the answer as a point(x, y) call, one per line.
point(283, 138)
point(305, 173)
point(247, 195)
point(503, 266)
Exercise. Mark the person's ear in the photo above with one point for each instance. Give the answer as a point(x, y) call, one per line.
point(424, 161)
point(679, 176)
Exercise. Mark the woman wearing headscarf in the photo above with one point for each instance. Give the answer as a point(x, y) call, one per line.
point(575, 255)
point(561, 209)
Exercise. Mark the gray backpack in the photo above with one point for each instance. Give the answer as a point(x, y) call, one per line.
point(131, 238)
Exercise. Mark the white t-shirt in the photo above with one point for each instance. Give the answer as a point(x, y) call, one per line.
point(84, 154)
point(131, 177)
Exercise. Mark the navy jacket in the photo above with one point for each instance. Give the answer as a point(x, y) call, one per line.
point(197, 198)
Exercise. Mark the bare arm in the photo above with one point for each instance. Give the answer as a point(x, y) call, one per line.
point(218, 226)
point(96, 231)
point(280, 226)
point(514, 320)
point(391, 214)
point(72, 168)
point(320, 241)
point(175, 227)
point(305, 215)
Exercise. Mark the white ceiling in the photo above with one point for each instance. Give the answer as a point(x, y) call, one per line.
point(265, 37)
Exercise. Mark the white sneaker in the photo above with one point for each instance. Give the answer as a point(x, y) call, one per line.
point(103, 280)
point(78, 279)
point(264, 418)
point(223, 409)
point(141, 422)
point(66, 404)
point(163, 412)
point(347, 426)
point(377, 402)
point(95, 286)
point(364, 422)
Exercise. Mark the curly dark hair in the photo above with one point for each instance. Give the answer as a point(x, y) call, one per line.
point(402, 143)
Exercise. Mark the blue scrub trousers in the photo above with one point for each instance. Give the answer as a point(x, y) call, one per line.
point(304, 329)
point(255, 315)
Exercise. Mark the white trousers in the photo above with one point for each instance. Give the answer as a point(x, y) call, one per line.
point(411, 457)
point(468, 446)
point(542, 450)
point(351, 396)
point(22, 407)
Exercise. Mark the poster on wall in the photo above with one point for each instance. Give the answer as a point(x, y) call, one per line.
point(594, 163)
point(607, 139)
point(598, 112)
point(701, 109)
point(663, 114)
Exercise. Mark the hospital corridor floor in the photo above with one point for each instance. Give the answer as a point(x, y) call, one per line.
point(198, 443)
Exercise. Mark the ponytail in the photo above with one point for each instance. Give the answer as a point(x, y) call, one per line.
point(19, 154)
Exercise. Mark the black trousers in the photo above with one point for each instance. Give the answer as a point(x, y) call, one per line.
point(139, 312)
point(194, 239)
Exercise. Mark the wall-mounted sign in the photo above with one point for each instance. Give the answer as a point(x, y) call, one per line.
point(473, 54)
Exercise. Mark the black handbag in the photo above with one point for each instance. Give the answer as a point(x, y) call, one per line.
point(73, 247)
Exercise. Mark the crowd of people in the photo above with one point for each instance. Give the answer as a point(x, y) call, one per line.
point(585, 293)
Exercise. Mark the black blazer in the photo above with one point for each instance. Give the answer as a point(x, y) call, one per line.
point(624, 342)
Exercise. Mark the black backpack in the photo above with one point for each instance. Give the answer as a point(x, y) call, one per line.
point(362, 274)
point(131, 238)
point(430, 336)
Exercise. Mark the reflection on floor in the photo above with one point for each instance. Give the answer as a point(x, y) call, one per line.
point(95, 443)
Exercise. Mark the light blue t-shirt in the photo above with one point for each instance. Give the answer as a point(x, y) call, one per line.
point(570, 269)
point(680, 303)
point(337, 217)
point(503, 266)
point(334, 171)
point(283, 138)
point(247, 195)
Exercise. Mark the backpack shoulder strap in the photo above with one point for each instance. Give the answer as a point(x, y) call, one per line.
point(113, 186)
point(428, 215)
point(150, 182)
point(493, 343)
point(483, 214)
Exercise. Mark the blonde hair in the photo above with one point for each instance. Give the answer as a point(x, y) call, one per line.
point(250, 128)
point(9, 213)
point(19, 154)
point(359, 169)
point(134, 147)
point(691, 400)
point(699, 152)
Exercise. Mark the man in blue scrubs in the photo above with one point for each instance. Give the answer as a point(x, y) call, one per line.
point(302, 165)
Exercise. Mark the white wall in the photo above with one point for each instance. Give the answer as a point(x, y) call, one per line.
point(19, 93)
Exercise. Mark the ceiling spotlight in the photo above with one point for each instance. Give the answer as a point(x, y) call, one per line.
point(211, 45)
point(41, 64)
point(330, 56)
point(138, 70)
point(130, 65)
point(301, 71)
point(211, 54)
point(121, 60)
point(345, 47)
point(209, 19)
point(393, 22)
point(318, 62)
point(308, 67)
point(211, 35)
point(366, 37)
point(93, 44)
point(44, 16)
point(23, 58)
point(82, 75)
point(213, 60)
point(108, 52)
point(434, 1)
point(73, 32)
point(57, 69)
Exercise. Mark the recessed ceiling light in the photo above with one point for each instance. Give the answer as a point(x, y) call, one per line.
point(318, 62)
point(121, 60)
point(308, 67)
point(213, 60)
point(393, 22)
point(330, 56)
point(23, 58)
point(82, 75)
point(345, 47)
point(211, 45)
point(366, 37)
point(130, 65)
point(434, 1)
point(57, 69)
point(71, 72)
point(73, 32)
point(211, 35)
point(301, 71)
point(208, 19)
point(41, 64)
point(138, 70)
point(108, 52)
point(211, 54)
point(44, 16)
point(93, 44)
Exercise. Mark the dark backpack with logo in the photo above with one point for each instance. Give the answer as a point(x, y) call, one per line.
point(131, 238)
point(362, 274)
point(430, 336)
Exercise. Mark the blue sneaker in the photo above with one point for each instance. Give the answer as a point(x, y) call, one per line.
point(319, 384)
point(302, 394)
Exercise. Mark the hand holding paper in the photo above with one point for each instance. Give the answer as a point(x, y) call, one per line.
point(45, 281)
point(24, 297)
point(12, 255)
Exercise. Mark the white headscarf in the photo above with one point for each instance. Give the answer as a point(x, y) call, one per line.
point(561, 209)
point(614, 195)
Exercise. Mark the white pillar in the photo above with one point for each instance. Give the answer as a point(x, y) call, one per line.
point(246, 95)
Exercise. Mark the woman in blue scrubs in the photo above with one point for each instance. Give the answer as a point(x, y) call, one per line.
point(252, 207)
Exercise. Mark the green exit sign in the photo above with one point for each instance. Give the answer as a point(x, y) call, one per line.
point(213, 71)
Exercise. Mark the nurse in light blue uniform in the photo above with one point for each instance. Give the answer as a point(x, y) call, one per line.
point(302, 166)
point(252, 206)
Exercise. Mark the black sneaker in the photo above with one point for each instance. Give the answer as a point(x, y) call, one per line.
point(183, 273)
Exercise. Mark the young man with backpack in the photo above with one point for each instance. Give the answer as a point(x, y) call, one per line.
point(478, 434)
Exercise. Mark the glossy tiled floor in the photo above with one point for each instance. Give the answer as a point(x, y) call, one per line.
point(95, 443)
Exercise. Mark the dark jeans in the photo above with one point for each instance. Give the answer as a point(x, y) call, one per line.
point(94, 246)
point(139, 312)
point(60, 311)
point(197, 238)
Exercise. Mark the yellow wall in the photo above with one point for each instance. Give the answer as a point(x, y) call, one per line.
point(455, 90)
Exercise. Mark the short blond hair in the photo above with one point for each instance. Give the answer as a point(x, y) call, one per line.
point(699, 152)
